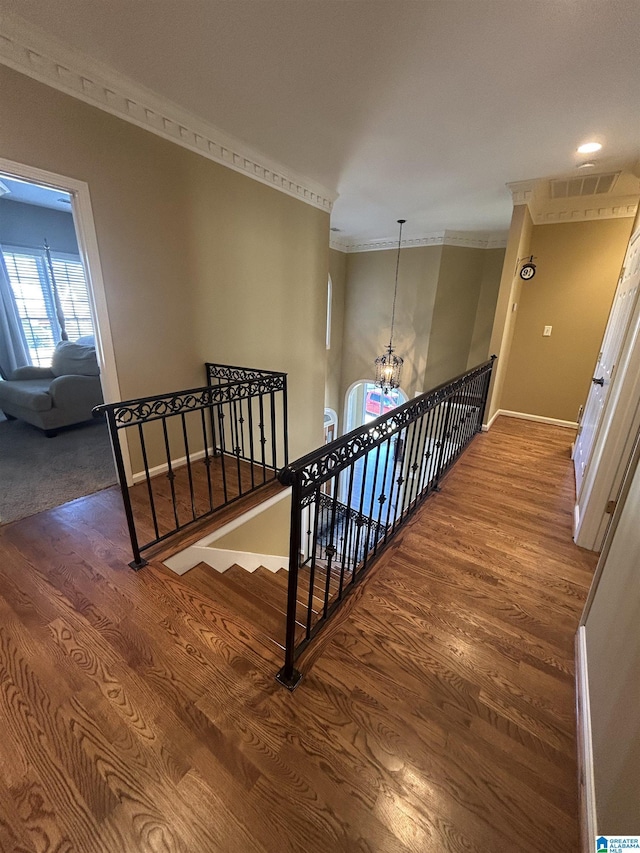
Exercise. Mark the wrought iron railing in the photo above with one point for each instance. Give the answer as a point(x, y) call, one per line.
point(349, 498)
point(194, 452)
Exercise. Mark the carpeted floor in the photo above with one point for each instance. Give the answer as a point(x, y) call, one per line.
point(37, 473)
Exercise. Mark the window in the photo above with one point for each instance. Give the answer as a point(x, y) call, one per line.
point(32, 287)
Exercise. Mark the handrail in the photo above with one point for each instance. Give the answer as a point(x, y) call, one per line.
point(236, 428)
point(350, 497)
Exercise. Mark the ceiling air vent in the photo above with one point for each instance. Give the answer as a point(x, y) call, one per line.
point(589, 185)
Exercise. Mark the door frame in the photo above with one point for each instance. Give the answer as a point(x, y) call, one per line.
point(613, 441)
point(82, 213)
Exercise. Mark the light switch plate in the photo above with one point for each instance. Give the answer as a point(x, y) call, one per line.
point(547, 332)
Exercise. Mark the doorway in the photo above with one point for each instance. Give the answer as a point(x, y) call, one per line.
point(56, 356)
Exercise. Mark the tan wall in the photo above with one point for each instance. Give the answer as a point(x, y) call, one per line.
point(368, 303)
point(338, 273)
point(508, 295)
point(460, 322)
point(613, 651)
point(444, 314)
point(199, 262)
point(264, 533)
point(493, 262)
point(578, 265)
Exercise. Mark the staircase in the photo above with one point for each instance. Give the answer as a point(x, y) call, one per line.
point(259, 599)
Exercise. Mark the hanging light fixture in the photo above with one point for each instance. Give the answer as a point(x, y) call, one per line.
point(388, 365)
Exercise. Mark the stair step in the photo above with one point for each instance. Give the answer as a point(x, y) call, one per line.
point(260, 583)
point(257, 613)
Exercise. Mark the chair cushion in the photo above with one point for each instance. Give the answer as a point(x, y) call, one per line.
point(29, 393)
point(72, 358)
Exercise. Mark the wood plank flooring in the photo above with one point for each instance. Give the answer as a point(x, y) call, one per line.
point(139, 713)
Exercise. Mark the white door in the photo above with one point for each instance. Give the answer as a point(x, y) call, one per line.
point(623, 304)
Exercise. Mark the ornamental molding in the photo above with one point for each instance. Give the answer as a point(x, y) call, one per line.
point(464, 239)
point(544, 210)
point(32, 52)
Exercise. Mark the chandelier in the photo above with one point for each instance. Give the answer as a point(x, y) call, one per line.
point(388, 365)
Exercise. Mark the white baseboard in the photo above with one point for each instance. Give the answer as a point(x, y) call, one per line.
point(222, 559)
point(140, 476)
point(586, 781)
point(525, 416)
point(576, 519)
point(486, 427)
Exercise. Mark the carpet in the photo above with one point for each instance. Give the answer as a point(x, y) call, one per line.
point(38, 473)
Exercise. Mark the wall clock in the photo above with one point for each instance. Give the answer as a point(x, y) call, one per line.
point(528, 271)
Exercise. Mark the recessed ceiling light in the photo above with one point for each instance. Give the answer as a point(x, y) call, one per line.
point(588, 165)
point(589, 148)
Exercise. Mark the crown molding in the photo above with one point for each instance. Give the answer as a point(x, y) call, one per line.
point(547, 211)
point(32, 52)
point(464, 239)
point(338, 244)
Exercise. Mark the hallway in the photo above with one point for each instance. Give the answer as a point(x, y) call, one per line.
point(139, 714)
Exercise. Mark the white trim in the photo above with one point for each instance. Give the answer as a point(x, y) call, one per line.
point(525, 416)
point(180, 462)
point(576, 519)
point(33, 52)
point(201, 551)
point(588, 813)
point(465, 239)
point(222, 559)
point(546, 211)
point(486, 427)
point(88, 247)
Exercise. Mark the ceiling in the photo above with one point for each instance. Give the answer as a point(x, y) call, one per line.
point(421, 109)
point(12, 189)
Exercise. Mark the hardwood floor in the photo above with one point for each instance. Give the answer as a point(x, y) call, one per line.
point(139, 713)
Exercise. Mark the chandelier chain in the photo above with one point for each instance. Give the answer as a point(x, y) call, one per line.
point(395, 289)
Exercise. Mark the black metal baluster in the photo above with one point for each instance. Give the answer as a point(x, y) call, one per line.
point(207, 458)
point(438, 418)
point(399, 455)
point(273, 432)
point(147, 476)
point(312, 567)
point(241, 422)
point(418, 466)
point(263, 439)
point(285, 419)
point(251, 454)
point(188, 457)
point(236, 445)
point(356, 558)
point(348, 535)
point(138, 562)
point(382, 497)
point(423, 482)
point(370, 518)
point(223, 451)
point(288, 675)
point(443, 441)
point(330, 549)
point(406, 472)
point(170, 475)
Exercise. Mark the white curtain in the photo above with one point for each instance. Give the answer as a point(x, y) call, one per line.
point(14, 351)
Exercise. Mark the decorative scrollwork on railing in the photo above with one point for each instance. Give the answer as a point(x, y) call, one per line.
point(321, 465)
point(131, 412)
point(346, 512)
point(230, 373)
